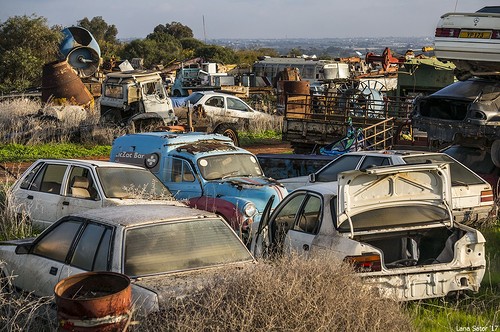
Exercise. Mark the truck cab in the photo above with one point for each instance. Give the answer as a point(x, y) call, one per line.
point(136, 98)
point(206, 170)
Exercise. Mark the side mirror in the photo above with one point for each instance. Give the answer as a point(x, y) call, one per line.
point(23, 249)
point(312, 177)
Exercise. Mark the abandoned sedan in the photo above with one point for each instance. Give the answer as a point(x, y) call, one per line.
point(51, 189)
point(167, 251)
point(394, 224)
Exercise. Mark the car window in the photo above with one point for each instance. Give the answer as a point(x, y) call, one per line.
point(25, 184)
point(374, 161)
point(121, 182)
point(236, 104)
point(49, 179)
point(478, 160)
point(460, 175)
point(309, 216)
point(181, 171)
point(343, 163)
point(227, 165)
point(194, 98)
point(215, 102)
point(56, 243)
point(284, 219)
point(177, 246)
point(81, 184)
point(91, 252)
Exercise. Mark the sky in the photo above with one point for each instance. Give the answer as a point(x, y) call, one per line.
point(253, 19)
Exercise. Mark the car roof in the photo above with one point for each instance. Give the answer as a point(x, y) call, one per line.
point(86, 162)
point(143, 214)
point(393, 153)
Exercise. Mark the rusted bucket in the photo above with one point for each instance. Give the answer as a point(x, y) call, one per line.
point(93, 301)
point(60, 82)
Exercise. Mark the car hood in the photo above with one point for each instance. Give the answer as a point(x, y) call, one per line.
point(294, 183)
point(134, 201)
point(256, 189)
point(414, 194)
point(180, 285)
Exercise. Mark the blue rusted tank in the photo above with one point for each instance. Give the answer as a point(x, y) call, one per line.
point(80, 49)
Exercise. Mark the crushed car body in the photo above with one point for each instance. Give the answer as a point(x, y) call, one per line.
point(394, 224)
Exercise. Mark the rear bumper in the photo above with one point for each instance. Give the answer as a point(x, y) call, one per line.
point(425, 285)
point(476, 215)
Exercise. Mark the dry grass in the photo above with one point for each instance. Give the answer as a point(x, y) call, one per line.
point(26, 121)
point(291, 294)
point(24, 312)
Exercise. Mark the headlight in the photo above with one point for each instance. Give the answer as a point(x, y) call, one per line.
point(249, 210)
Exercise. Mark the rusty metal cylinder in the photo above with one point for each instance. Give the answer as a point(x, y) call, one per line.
point(296, 87)
point(93, 301)
point(297, 96)
point(60, 82)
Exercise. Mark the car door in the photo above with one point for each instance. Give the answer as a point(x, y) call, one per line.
point(237, 109)
point(40, 268)
point(300, 237)
point(181, 179)
point(40, 193)
point(215, 108)
point(81, 192)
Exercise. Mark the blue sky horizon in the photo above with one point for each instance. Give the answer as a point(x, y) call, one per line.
point(243, 19)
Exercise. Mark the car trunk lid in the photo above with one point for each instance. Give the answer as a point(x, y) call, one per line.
point(394, 196)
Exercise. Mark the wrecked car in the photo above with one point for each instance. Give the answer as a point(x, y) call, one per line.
point(52, 188)
point(221, 113)
point(472, 196)
point(206, 170)
point(394, 224)
point(136, 99)
point(167, 251)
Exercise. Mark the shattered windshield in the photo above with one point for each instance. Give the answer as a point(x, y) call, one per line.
point(177, 246)
point(118, 182)
point(229, 165)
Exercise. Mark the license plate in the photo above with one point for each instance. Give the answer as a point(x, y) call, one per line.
point(475, 34)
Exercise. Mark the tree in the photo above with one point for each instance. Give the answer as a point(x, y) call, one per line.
point(26, 44)
point(101, 31)
point(104, 34)
point(175, 29)
point(215, 53)
point(152, 51)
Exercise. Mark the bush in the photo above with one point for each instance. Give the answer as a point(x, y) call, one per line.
point(291, 294)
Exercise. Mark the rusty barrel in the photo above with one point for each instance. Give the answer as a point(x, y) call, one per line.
point(60, 82)
point(297, 96)
point(93, 301)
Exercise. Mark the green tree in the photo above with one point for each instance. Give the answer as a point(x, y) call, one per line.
point(175, 29)
point(102, 31)
point(26, 44)
point(152, 51)
point(104, 34)
point(215, 53)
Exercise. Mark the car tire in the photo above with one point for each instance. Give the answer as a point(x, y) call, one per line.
point(229, 131)
point(495, 152)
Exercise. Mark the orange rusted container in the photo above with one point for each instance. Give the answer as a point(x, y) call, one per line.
point(297, 96)
point(60, 82)
point(93, 301)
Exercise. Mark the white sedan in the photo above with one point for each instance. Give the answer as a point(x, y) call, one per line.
point(394, 224)
point(471, 41)
point(52, 188)
point(167, 251)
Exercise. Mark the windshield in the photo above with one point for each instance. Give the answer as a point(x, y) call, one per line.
point(229, 165)
point(119, 182)
point(177, 246)
point(193, 98)
point(460, 175)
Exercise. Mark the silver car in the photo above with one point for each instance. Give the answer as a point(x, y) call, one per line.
point(394, 224)
point(472, 196)
point(167, 251)
point(52, 188)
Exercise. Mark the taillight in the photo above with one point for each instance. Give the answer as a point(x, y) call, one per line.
point(446, 32)
point(495, 34)
point(365, 263)
point(486, 196)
